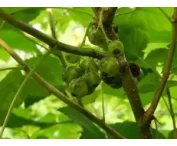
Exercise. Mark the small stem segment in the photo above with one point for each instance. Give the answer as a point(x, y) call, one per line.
point(61, 96)
point(150, 111)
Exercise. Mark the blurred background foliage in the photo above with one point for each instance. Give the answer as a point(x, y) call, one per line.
point(146, 34)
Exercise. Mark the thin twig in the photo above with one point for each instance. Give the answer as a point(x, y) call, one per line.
point(165, 14)
point(62, 97)
point(11, 68)
point(4, 45)
point(52, 27)
point(166, 71)
point(172, 113)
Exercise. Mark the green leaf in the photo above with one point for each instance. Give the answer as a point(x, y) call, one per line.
point(91, 130)
point(148, 18)
point(146, 98)
point(8, 88)
point(82, 15)
point(131, 131)
point(153, 60)
point(141, 26)
point(50, 69)
point(134, 39)
point(59, 131)
point(4, 55)
point(148, 83)
point(30, 100)
point(16, 40)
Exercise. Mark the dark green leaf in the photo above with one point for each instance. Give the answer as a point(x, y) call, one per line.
point(91, 130)
point(33, 99)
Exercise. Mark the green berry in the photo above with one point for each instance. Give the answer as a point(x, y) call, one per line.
point(71, 58)
point(92, 79)
point(109, 66)
point(78, 88)
point(116, 47)
point(95, 35)
point(71, 73)
point(89, 65)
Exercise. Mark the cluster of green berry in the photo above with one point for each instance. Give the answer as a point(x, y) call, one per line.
point(83, 79)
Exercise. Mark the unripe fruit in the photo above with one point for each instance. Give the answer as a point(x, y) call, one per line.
point(116, 47)
point(109, 67)
point(95, 35)
point(89, 65)
point(78, 88)
point(71, 73)
point(71, 58)
point(92, 79)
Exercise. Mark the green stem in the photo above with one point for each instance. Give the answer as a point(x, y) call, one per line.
point(18, 92)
